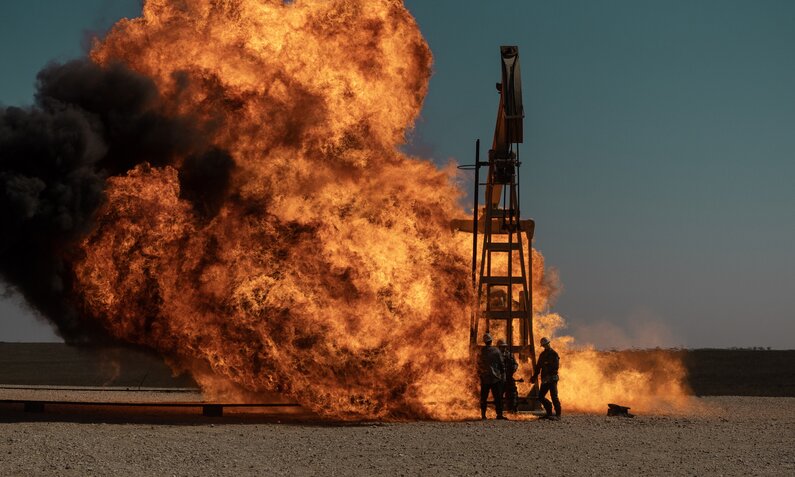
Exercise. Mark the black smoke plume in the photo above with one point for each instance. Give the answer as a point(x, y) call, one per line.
point(88, 123)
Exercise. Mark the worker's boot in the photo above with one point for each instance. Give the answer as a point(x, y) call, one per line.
point(547, 406)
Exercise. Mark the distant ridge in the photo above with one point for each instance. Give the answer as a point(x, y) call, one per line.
point(711, 372)
point(57, 364)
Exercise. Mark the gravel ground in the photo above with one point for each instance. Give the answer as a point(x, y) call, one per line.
point(728, 436)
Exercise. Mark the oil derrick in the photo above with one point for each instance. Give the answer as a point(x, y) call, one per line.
point(504, 307)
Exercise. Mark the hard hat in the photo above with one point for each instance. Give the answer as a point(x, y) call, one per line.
point(501, 343)
point(487, 338)
point(544, 341)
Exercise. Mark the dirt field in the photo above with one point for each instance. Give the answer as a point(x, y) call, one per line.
point(735, 436)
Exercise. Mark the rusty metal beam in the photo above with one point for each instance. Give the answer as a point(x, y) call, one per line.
point(498, 226)
point(208, 409)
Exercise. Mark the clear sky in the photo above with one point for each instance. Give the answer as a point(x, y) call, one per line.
point(659, 155)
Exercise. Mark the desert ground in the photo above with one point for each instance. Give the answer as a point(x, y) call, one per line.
point(736, 436)
point(720, 435)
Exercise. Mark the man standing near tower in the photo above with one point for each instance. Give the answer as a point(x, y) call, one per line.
point(548, 362)
point(492, 374)
point(510, 396)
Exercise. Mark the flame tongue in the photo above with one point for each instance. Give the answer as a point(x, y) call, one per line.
point(338, 79)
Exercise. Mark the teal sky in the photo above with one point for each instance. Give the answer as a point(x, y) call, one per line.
point(659, 155)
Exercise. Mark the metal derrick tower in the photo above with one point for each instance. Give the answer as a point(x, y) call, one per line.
point(504, 292)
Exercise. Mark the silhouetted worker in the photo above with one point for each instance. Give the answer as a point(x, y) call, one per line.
point(492, 375)
point(548, 362)
point(510, 395)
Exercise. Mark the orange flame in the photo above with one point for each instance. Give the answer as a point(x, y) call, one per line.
point(329, 275)
point(648, 380)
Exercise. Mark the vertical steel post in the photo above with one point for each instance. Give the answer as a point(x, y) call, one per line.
point(473, 324)
point(475, 214)
point(531, 334)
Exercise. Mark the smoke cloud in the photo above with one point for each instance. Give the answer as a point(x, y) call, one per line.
point(88, 123)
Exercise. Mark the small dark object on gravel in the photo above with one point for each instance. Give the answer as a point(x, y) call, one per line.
point(618, 411)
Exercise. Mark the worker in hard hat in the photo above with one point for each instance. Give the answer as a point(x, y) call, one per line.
point(510, 395)
point(492, 376)
point(547, 366)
